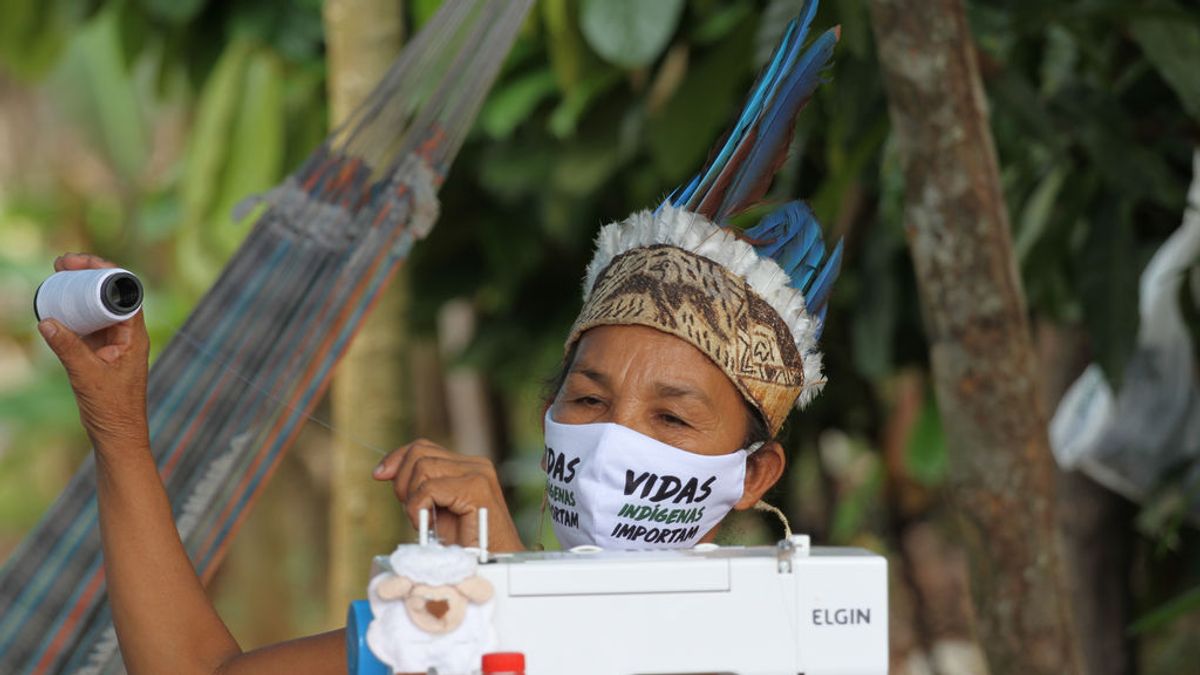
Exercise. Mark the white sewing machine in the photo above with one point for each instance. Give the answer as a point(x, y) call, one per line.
point(783, 610)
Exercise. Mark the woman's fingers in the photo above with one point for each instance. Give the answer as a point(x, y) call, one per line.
point(75, 355)
point(389, 466)
point(460, 495)
point(111, 343)
point(425, 475)
point(80, 261)
point(430, 466)
point(400, 465)
point(458, 500)
point(417, 450)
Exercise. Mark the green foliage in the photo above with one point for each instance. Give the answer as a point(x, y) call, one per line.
point(1173, 47)
point(629, 33)
point(173, 11)
point(564, 45)
point(581, 96)
point(209, 154)
point(508, 107)
point(680, 133)
point(1093, 147)
point(185, 107)
point(855, 508)
point(875, 314)
point(99, 90)
point(254, 144)
point(33, 33)
point(1172, 610)
point(119, 77)
point(209, 141)
point(1112, 269)
point(925, 456)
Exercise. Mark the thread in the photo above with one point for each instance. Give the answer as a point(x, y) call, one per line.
point(429, 517)
point(225, 367)
point(787, 527)
point(88, 300)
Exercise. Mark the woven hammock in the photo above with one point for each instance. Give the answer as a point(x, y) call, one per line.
point(233, 388)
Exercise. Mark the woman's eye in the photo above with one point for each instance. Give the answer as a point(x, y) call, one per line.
point(673, 420)
point(589, 401)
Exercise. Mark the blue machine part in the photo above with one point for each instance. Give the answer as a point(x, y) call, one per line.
point(359, 658)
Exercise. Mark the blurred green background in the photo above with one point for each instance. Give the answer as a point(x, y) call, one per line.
point(130, 128)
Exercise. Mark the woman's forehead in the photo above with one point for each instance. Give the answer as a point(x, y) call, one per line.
point(614, 354)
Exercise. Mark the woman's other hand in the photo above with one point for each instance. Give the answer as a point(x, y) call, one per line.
point(425, 475)
point(107, 369)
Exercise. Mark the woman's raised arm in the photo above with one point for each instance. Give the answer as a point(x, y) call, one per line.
point(163, 617)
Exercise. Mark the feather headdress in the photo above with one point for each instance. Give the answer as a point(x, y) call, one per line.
point(760, 295)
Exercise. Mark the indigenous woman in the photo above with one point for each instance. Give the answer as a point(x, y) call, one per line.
point(694, 342)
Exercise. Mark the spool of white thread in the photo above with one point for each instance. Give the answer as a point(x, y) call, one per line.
point(87, 300)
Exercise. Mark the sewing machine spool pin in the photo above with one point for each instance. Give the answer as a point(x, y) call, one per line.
point(483, 535)
point(427, 530)
point(423, 527)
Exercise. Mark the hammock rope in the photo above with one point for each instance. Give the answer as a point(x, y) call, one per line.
point(230, 392)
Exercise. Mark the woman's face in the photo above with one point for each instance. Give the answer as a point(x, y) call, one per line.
point(655, 384)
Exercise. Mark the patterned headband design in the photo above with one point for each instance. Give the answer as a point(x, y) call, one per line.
point(753, 301)
point(678, 273)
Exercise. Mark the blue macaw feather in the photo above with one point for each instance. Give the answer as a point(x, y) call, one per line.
point(820, 314)
point(781, 59)
point(712, 197)
point(682, 196)
point(669, 199)
point(805, 235)
point(739, 172)
point(768, 236)
point(810, 265)
point(817, 295)
point(791, 236)
point(776, 126)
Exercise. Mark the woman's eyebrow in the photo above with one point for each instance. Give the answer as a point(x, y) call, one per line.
point(592, 374)
point(669, 390)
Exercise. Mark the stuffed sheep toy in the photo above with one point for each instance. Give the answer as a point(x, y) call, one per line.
point(431, 611)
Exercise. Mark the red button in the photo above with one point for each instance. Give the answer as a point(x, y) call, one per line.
point(504, 662)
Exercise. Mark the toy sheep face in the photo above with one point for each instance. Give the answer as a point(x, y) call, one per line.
point(436, 609)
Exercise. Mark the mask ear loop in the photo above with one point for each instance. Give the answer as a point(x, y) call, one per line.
point(760, 505)
point(787, 527)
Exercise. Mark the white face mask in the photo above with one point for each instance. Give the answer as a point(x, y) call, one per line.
point(612, 487)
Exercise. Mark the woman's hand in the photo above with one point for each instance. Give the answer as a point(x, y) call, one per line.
point(425, 475)
point(107, 369)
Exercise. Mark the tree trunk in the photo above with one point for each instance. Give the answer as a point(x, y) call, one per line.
point(1097, 526)
point(1099, 545)
point(369, 402)
point(984, 366)
point(929, 569)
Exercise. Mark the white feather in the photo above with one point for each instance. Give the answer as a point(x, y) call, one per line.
point(696, 234)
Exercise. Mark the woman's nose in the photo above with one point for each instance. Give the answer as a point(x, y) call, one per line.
point(629, 415)
point(622, 413)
